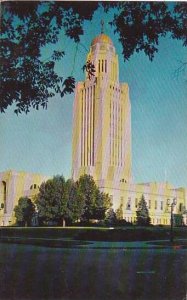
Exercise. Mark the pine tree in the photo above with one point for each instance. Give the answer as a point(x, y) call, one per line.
point(111, 218)
point(24, 211)
point(142, 213)
point(96, 202)
point(119, 212)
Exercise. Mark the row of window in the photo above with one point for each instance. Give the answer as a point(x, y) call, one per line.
point(157, 204)
point(102, 65)
point(87, 126)
point(150, 204)
point(155, 221)
point(34, 186)
point(103, 68)
point(116, 89)
point(116, 138)
point(103, 47)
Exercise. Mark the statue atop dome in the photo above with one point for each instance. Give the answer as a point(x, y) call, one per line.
point(102, 38)
point(102, 26)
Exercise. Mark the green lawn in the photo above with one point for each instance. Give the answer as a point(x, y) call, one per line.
point(38, 273)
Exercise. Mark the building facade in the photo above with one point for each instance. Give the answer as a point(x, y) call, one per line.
point(14, 185)
point(156, 195)
point(101, 147)
point(101, 119)
point(102, 139)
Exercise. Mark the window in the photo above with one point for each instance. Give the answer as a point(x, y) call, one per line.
point(33, 186)
point(136, 202)
point(129, 203)
point(99, 66)
point(149, 204)
point(3, 192)
point(155, 204)
point(180, 207)
point(161, 205)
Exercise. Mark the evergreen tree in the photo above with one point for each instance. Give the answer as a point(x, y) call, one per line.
point(24, 211)
point(119, 212)
point(88, 188)
point(103, 203)
point(111, 218)
point(96, 202)
point(142, 213)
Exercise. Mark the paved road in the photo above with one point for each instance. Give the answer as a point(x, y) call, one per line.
point(99, 273)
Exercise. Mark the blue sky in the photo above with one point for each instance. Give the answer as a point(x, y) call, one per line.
point(41, 140)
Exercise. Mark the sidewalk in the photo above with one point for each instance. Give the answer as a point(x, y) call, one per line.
point(157, 244)
point(70, 243)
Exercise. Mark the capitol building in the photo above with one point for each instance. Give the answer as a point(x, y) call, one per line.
point(102, 140)
point(101, 147)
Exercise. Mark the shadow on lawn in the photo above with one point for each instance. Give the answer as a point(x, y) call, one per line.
point(78, 244)
point(53, 243)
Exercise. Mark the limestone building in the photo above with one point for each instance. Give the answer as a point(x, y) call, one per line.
point(101, 119)
point(101, 147)
point(14, 185)
point(102, 139)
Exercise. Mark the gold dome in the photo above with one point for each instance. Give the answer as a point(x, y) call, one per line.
point(102, 38)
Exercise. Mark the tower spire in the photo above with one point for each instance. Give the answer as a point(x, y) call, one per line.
point(102, 26)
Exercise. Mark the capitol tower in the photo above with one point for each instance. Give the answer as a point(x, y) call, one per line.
point(102, 121)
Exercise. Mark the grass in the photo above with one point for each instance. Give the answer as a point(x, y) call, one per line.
point(92, 233)
point(33, 273)
point(51, 264)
